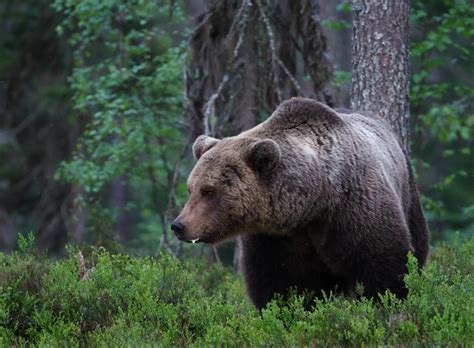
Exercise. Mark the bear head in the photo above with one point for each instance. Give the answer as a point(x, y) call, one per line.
point(227, 189)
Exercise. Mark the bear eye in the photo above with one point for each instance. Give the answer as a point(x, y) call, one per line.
point(207, 192)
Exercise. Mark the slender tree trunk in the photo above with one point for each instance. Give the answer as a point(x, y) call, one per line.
point(119, 197)
point(380, 74)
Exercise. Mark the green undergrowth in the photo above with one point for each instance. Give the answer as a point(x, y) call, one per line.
point(118, 300)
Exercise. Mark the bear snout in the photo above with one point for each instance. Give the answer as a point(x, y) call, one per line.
point(178, 229)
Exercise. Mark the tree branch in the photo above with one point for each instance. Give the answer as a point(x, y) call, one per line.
point(291, 77)
point(242, 19)
point(271, 39)
point(164, 243)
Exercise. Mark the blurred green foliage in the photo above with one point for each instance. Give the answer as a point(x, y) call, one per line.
point(339, 25)
point(118, 300)
point(442, 101)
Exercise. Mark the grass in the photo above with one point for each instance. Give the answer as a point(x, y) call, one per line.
point(117, 300)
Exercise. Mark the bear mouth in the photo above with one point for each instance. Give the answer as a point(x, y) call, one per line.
point(205, 238)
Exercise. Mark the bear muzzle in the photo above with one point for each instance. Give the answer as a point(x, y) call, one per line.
point(179, 230)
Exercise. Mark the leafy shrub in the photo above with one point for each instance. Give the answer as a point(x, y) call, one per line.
point(127, 86)
point(442, 103)
point(116, 300)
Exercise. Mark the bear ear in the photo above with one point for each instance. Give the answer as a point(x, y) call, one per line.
point(202, 144)
point(263, 155)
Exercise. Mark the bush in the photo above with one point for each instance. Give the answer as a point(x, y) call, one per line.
point(117, 300)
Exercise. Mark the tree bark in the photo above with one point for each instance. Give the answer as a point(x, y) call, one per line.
point(380, 67)
point(247, 57)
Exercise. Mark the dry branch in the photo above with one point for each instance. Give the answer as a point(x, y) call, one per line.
point(291, 77)
point(164, 242)
point(271, 39)
point(209, 108)
point(84, 273)
point(241, 19)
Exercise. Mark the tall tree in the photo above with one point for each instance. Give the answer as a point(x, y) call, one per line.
point(380, 75)
point(380, 79)
point(247, 57)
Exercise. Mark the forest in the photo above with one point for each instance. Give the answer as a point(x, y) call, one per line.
point(100, 104)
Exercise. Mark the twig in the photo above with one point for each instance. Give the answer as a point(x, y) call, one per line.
point(271, 39)
point(244, 13)
point(165, 162)
point(216, 254)
point(200, 25)
point(298, 47)
point(151, 175)
point(164, 243)
point(209, 107)
point(237, 254)
point(291, 77)
point(164, 227)
point(25, 123)
point(174, 179)
point(84, 273)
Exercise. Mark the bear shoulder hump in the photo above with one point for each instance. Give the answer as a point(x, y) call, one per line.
point(299, 111)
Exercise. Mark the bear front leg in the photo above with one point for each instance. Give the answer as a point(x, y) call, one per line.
point(379, 272)
point(377, 259)
point(276, 264)
point(265, 267)
point(370, 242)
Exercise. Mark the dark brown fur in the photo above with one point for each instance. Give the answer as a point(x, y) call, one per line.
point(322, 200)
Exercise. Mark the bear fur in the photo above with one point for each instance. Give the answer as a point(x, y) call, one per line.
point(321, 199)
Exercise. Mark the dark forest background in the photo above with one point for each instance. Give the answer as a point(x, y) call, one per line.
point(100, 101)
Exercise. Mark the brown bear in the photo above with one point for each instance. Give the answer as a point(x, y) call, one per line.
point(322, 199)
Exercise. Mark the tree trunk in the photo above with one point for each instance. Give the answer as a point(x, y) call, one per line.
point(247, 57)
point(380, 75)
point(119, 198)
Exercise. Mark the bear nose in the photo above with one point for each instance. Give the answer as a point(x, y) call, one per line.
point(178, 229)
